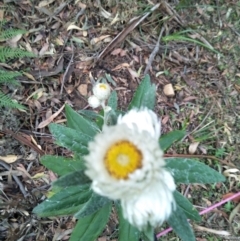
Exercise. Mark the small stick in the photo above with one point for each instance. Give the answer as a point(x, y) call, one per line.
point(68, 67)
point(154, 52)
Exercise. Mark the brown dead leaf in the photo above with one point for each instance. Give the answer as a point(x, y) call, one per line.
point(44, 49)
point(82, 89)
point(133, 73)
point(21, 168)
point(52, 176)
point(165, 119)
point(227, 195)
point(98, 39)
point(50, 119)
point(189, 98)
point(116, 51)
point(121, 66)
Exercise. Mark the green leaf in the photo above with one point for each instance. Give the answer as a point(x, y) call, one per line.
point(192, 171)
point(126, 230)
point(145, 95)
point(69, 138)
point(90, 227)
point(167, 140)
point(79, 123)
point(62, 165)
point(178, 221)
point(113, 100)
point(72, 179)
point(66, 202)
point(89, 114)
point(148, 234)
point(186, 206)
point(95, 203)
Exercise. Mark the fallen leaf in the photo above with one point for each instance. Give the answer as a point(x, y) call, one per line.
point(45, 3)
point(9, 158)
point(50, 119)
point(228, 195)
point(98, 39)
point(82, 89)
point(133, 73)
point(29, 76)
point(38, 175)
point(44, 49)
point(73, 26)
point(234, 212)
point(121, 66)
point(36, 94)
point(193, 147)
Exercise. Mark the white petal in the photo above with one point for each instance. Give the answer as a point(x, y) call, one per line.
point(144, 120)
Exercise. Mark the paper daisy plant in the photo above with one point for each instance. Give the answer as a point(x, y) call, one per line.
point(119, 166)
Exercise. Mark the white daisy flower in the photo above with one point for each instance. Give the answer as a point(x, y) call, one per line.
point(125, 162)
point(101, 91)
point(94, 102)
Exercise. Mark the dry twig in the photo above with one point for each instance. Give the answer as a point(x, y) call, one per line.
point(154, 52)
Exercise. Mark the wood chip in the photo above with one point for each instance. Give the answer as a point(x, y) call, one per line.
point(168, 90)
point(82, 89)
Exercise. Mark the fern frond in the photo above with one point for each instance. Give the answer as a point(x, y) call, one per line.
point(3, 21)
point(8, 77)
point(6, 101)
point(7, 53)
point(10, 33)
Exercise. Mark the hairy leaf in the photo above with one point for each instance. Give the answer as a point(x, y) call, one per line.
point(192, 171)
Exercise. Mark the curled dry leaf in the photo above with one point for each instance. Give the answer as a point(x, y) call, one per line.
point(193, 147)
point(73, 26)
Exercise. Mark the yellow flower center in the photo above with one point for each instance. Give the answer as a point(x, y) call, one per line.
point(103, 86)
point(123, 158)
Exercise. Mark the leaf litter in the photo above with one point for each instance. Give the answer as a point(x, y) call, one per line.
point(75, 38)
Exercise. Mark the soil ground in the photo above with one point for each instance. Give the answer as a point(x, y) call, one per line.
point(198, 54)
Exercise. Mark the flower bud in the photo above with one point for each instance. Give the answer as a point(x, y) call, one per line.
point(93, 101)
point(101, 91)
